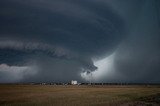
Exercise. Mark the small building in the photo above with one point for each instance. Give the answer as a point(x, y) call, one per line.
point(74, 82)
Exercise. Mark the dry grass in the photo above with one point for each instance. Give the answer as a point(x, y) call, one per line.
point(50, 95)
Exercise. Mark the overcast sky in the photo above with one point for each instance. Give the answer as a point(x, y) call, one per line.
point(84, 40)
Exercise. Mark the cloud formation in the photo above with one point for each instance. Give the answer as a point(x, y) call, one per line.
point(58, 38)
point(137, 57)
point(10, 74)
point(66, 39)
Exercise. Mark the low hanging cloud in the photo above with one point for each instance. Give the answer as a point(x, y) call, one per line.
point(15, 73)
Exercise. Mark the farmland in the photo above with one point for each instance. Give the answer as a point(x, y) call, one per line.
point(82, 95)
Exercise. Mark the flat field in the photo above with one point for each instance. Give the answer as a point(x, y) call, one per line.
point(51, 95)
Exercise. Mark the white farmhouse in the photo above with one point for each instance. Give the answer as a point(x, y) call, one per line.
point(74, 82)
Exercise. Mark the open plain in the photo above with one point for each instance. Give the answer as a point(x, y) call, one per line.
point(79, 95)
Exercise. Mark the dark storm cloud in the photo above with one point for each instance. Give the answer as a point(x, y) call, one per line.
point(137, 58)
point(56, 22)
point(57, 40)
point(60, 37)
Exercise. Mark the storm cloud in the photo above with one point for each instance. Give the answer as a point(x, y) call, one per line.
point(137, 57)
point(65, 40)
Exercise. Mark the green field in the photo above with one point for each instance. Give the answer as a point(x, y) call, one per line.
point(51, 95)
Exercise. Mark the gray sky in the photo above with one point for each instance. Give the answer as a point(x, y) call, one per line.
point(61, 40)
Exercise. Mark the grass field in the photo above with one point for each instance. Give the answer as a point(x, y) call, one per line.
point(51, 95)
